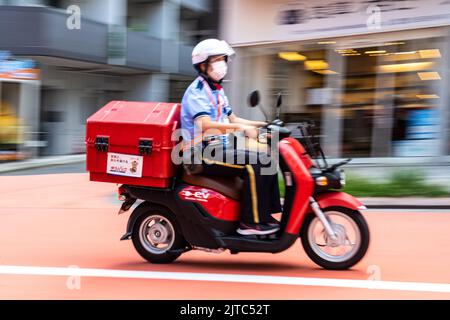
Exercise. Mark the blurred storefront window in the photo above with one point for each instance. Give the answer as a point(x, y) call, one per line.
point(373, 75)
point(14, 75)
point(375, 99)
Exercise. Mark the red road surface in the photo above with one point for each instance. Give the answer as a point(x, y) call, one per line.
point(65, 220)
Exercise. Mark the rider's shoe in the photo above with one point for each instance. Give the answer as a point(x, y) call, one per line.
point(247, 229)
point(273, 222)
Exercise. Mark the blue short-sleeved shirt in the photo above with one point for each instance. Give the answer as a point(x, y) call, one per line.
point(197, 103)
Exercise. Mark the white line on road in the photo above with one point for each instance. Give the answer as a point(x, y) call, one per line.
point(237, 278)
point(423, 211)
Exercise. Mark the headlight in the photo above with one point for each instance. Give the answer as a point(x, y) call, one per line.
point(322, 181)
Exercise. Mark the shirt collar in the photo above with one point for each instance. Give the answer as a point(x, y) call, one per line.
point(212, 84)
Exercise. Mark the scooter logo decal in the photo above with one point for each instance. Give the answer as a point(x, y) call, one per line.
point(201, 196)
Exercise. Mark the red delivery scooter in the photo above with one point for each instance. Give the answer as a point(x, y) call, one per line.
point(199, 212)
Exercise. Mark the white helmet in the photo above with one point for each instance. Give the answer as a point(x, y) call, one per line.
point(210, 47)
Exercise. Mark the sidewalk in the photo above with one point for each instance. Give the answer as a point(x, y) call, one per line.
point(370, 202)
point(41, 162)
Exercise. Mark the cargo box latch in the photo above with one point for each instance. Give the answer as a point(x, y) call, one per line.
point(145, 146)
point(101, 144)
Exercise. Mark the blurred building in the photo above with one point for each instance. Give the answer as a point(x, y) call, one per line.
point(62, 60)
point(373, 75)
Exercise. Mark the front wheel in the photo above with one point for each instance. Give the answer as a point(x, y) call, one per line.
point(349, 246)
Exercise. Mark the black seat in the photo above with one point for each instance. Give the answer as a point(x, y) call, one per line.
point(228, 186)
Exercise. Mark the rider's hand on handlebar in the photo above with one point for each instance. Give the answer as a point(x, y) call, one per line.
point(260, 124)
point(249, 131)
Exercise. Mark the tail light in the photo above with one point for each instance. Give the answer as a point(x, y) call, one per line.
point(122, 193)
point(127, 199)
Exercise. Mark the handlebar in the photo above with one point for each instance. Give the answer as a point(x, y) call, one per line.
point(278, 125)
point(337, 165)
point(308, 140)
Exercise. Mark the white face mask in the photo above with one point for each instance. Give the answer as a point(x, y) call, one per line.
point(218, 70)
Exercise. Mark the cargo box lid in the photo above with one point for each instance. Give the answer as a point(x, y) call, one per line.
point(155, 113)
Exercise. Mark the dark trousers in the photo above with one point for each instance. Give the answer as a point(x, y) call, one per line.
point(260, 195)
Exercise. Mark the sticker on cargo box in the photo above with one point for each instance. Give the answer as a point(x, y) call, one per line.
point(124, 165)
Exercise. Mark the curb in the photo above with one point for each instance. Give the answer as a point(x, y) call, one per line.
point(41, 162)
point(421, 203)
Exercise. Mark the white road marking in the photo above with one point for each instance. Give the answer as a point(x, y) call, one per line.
point(237, 278)
point(423, 211)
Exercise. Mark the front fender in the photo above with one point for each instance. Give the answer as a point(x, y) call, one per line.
point(339, 199)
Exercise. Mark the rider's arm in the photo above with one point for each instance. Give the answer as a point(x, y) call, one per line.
point(234, 119)
point(213, 127)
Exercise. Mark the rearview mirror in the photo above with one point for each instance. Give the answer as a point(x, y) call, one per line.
point(254, 98)
point(279, 100)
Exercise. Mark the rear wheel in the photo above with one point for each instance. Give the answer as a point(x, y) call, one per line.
point(349, 246)
point(156, 236)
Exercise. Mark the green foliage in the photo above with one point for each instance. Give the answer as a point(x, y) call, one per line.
point(400, 184)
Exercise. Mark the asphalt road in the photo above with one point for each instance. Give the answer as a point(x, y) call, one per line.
point(59, 239)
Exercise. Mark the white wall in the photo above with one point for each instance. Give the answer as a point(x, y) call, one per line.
point(71, 90)
point(29, 111)
point(153, 87)
point(247, 21)
point(264, 24)
point(248, 73)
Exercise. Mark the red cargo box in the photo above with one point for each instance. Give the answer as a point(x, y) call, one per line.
point(130, 143)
